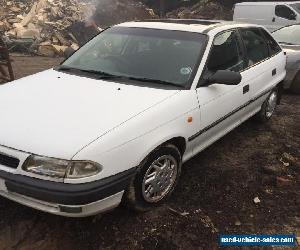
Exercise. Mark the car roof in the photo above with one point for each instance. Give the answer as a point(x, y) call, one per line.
point(266, 3)
point(188, 25)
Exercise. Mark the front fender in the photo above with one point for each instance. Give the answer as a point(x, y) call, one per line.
point(127, 146)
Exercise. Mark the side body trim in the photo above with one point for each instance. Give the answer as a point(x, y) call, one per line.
point(193, 137)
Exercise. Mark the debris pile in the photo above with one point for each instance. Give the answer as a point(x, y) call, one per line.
point(110, 12)
point(42, 25)
point(50, 27)
point(205, 9)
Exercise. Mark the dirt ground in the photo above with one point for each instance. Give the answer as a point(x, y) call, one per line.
point(215, 195)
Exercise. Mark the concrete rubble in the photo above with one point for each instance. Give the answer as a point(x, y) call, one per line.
point(49, 27)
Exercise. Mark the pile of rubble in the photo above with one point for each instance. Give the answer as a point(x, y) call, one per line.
point(42, 26)
point(110, 12)
point(205, 9)
point(50, 27)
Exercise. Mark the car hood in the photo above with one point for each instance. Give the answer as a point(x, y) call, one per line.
point(56, 114)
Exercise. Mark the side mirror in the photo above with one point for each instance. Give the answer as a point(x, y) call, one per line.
point(225, 77)
point(293, 16)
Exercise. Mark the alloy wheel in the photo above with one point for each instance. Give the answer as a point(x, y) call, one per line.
point(159, 178)
point(271, 104)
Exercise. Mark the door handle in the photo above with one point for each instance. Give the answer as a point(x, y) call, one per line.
point(274, 19)
point(274, 72)
point(246, 89)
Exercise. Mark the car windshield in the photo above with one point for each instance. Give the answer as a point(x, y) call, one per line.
point(296, 7)
point(142, 54)
point(288, 35)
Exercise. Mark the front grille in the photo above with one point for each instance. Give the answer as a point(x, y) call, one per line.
point(9, 161)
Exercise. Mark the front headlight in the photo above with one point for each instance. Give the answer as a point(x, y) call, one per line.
point(60, 168)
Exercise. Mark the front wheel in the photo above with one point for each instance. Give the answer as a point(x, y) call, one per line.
point(155, 180)
point(269, 106)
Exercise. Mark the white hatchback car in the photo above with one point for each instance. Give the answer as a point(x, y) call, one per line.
point(116, 120)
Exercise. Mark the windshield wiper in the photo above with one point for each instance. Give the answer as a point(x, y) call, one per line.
point(63, 68)
point(156, 81)
point(102, 74)
point(105, 75)
point(95, 72)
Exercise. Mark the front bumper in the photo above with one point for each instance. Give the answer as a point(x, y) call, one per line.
point(72, 200)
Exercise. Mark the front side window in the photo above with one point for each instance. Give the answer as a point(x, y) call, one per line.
point(142, 53)
point(255, 44)
point(273, 45)
point(285, 12)
point(226, 53)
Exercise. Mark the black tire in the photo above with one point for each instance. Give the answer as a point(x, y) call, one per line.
point(295, 87)
point(265, 115)
point(135, 196)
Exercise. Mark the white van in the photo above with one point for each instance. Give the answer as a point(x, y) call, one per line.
point(272, 15)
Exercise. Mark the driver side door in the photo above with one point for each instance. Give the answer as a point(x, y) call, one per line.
point(221, 106)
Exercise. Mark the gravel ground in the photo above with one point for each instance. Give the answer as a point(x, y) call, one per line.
point(215, 195)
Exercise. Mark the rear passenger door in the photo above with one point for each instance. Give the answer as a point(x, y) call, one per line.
point(262, 67)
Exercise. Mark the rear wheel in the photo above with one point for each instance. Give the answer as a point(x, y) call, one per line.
point(269, 107)
point(295, 87)
point(155, 180)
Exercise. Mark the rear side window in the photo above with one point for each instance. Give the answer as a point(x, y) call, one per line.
point(255, 44)
point(285, 12)
point(273, 45)
point(226, 53)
